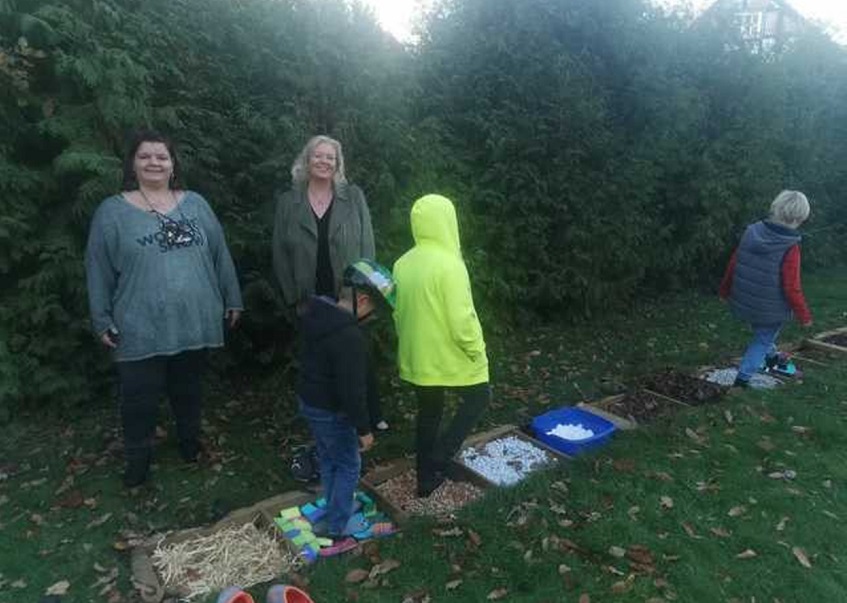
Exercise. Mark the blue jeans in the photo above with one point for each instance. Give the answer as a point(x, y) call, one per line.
point(339, 460)
point(762, 345)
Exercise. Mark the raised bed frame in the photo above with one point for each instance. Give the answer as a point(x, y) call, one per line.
point(262, 514)
point(817, 342)
point(601, 408)
point(480, 439)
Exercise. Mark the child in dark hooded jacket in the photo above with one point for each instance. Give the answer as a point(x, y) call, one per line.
point(762, 281)
point(332, 387)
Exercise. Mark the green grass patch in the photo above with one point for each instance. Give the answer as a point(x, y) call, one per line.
point(62, 509)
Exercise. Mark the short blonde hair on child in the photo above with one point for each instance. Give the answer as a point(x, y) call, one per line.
point(790, 208)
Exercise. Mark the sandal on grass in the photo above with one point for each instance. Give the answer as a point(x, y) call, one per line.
point(338, 547)
point(380, 529)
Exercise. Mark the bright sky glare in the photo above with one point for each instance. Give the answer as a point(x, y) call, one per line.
point(398, 16)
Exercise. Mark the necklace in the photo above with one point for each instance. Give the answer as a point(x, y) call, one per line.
point(153, 207)
point(177, 233)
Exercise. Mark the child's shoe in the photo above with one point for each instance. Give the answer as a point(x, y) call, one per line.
point(282, 593)
point(234, 594)
point(742, 383)
point(781, 364)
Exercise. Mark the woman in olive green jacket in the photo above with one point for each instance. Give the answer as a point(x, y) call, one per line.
point(321, 226)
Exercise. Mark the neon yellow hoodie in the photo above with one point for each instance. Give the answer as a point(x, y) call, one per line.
point(440, 338)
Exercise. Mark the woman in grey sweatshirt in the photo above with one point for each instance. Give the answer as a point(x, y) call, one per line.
point(161, 284)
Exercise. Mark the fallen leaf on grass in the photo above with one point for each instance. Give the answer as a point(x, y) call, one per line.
point(781, 525)
point(72, 500)
point(621, 587)
point(19, 583)
point(694, 435)
point(746, 554)
point(357, 575)
point(453, 584)
point(617, 552)
point(633, 512)
point(60, 588)
point(727, 415)
point(766, 444)
point(613, 570)
point(800, 555)
point(564, 569)
point(417, 596)
point(456, 531)
point(497, 594)
point(666, 502)
point(474, 538)
point(737, 511)
point(689, 529)
point(662, 476)
point(801, 429)
point(383, 568)
point(720, 532)
point(640, 554)
point(623, 465)
point(99, 521)
point(584, 598)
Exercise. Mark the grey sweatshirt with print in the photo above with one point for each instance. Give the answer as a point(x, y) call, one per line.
point(162, 296)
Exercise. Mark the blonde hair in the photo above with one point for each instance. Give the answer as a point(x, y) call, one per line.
point(790, 208)
point(300, 167)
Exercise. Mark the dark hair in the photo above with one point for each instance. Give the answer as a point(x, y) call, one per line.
point(130, 182)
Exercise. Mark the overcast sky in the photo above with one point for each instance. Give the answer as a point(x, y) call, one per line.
point(397, 15)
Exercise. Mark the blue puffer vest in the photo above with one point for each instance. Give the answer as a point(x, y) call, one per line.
point(757, 296)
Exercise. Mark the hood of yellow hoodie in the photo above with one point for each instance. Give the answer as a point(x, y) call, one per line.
point(434, 222)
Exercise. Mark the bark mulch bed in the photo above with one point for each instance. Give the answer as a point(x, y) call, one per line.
point(400, 491)
point(641, 406)
point(684, 388)
point(839, 339)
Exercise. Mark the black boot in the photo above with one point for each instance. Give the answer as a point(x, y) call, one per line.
point(137, 468)
point(190, 450)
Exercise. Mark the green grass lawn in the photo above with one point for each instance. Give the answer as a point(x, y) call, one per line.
point(694, 495)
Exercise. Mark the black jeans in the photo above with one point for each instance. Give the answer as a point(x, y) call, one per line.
point(434, 451)
point(143, 382)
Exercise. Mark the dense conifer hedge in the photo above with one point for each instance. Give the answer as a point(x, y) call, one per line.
point(597, 150)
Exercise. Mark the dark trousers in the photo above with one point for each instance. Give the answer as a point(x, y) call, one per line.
point(143, 382)
point(434, 451)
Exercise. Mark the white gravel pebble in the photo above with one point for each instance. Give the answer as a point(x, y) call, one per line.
point(505, 461)
point(727, 377)
point(571, 432)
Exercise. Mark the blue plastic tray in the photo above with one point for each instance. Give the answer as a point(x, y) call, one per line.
point(602, 429)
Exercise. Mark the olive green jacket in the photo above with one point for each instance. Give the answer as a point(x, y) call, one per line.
point(295, 239)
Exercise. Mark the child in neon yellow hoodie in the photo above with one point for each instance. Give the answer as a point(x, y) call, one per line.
point(441, 345)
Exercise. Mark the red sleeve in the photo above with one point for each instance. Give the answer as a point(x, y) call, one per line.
point(726, 284)
point(791, 285)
